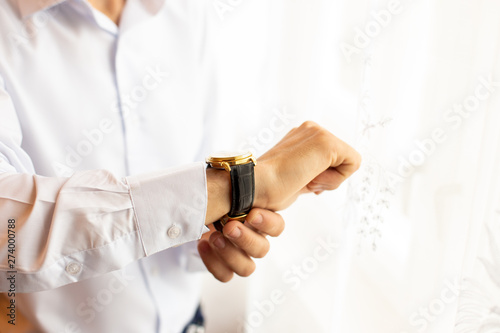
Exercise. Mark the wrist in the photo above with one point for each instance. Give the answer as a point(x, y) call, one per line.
point(219, 194)
point(261, 184)
point(237, 182)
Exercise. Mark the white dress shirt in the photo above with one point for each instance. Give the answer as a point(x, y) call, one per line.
point(100, 128)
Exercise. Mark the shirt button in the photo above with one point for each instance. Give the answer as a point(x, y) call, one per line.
point(174, 232)
point(73, 268)
point(193, 328)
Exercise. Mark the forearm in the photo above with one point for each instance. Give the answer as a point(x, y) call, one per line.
point(219, 195)
point(95, 221)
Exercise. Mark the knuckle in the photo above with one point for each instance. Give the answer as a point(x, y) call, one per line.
point(213, 236)
point(334, 187)
point(263, 250)
point(248, 242)
point(280, 225)
point(324, 137)
point(224, 277)
point(277, 229)
point(247, 270)
point(357, 161)
point(221, 274)
point(309, 124)
point(280, 228)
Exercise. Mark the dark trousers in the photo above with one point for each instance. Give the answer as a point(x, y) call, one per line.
point(196, 325)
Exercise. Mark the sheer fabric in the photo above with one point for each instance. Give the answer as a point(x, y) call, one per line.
point(411, 242)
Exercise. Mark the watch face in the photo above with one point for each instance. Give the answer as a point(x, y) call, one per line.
point(229, 155)
point(225, 159)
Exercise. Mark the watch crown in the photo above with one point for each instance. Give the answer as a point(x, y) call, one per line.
point(226, 166)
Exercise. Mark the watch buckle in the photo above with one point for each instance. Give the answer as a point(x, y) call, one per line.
point(226, 218)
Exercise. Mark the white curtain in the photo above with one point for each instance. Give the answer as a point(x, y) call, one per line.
point(412, 242)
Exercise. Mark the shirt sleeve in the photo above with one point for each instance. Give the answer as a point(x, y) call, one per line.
point(55, 231)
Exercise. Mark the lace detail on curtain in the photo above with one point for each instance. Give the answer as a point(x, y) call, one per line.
point(479, 308)
point(371, 191)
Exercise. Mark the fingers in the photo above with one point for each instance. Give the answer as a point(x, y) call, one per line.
point(251, 242)
point(250, 237)
point(308, 159)
point(233, 252)
point(346, 159)
point(328, 180)
point(233, 257)
point(265, 221)
point(213, 263)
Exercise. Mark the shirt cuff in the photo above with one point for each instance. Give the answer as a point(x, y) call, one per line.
point(170, 206)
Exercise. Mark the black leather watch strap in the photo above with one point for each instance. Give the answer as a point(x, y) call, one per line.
point(242, 188)
point(242, 193)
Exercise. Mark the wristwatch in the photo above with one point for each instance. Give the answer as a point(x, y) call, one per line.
point(240, 166)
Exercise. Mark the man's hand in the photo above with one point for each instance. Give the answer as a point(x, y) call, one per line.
point(308, 159)
point(232, 252)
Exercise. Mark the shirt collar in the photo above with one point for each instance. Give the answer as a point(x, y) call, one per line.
point(30, 7)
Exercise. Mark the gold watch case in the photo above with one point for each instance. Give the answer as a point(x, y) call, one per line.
point(224, 160)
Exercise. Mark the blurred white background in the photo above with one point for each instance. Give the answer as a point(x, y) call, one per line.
point(412, 242)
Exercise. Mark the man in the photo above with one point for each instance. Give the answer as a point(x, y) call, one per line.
point(91, 92)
